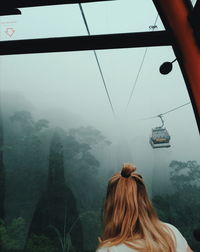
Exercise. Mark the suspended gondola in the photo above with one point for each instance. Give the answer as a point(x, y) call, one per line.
point(160, 137)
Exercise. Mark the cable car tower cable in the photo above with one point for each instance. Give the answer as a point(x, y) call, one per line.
point(141, 65)
point(176, 108)
point(97, 60)
point(169, 111)
point(137, 76)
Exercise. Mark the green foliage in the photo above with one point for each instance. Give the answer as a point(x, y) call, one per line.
point(12, 235)
point(25, 119)
point(184, 174)
point(92, 228)
point(41, 124)
point(163, 207)
point(27, 160)
point(40, 243)
point(2, 171)
point(89, 135)
point(181, 207)
point(91, 219)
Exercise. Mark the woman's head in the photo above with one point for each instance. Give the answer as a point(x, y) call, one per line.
point(128, 213)
point(126, 204)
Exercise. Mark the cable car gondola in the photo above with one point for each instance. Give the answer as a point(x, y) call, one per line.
point(160, 137)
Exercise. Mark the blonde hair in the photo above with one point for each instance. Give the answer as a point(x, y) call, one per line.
point(129, 217)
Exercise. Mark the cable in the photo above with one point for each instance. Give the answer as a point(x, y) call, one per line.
point(84, 18)
point(140, 68)
point(97, 60)
point(169, 111)
point(138, 74)
point(176, 108)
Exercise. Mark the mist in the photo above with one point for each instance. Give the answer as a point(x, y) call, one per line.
point(55, 109)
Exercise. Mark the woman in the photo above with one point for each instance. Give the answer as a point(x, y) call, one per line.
point(130, 221)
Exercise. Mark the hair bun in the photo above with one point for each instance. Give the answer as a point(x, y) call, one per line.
point(127, 169)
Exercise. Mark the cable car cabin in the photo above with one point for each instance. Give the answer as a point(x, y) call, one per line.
point(160, 138)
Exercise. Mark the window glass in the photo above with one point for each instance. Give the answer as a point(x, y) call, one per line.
point(61, 143)
point(194, 2)
point(107, 17)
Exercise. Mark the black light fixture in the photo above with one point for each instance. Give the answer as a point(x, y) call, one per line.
point(166, 67)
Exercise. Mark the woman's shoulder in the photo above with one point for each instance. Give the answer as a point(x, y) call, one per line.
point(181, 242)
point(118, 248)
point(173, 228)
point(106, 249)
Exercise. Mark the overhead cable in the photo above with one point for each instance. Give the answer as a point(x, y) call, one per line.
point(176, 108)
point(169, 111)
point(137, 76)
point(140, 67)
point(97, 60)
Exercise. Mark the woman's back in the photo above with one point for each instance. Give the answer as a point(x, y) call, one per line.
point(130, 222)
point(181, 243)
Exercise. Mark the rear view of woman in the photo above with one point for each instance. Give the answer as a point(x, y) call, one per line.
point(130, 222)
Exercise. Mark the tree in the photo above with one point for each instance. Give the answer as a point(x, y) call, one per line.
point(40, 243)
point(2, 171)
point(184, 174)
point(89, 135)
point(26, 162)
point(81, 147)
point(12, 235)
point(181, 207)
point(2, 177)
point(53, 182)
point(56, 209)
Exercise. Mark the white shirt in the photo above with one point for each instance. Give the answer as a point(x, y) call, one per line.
point(181, 243)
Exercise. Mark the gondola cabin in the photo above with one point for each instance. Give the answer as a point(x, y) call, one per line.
point(160, 138)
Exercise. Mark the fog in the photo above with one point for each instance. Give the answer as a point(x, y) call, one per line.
point(67, 90)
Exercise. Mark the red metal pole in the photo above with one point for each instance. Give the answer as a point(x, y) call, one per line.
point(174, 14)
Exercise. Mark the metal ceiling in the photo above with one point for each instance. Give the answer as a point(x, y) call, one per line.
point(12, 4)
